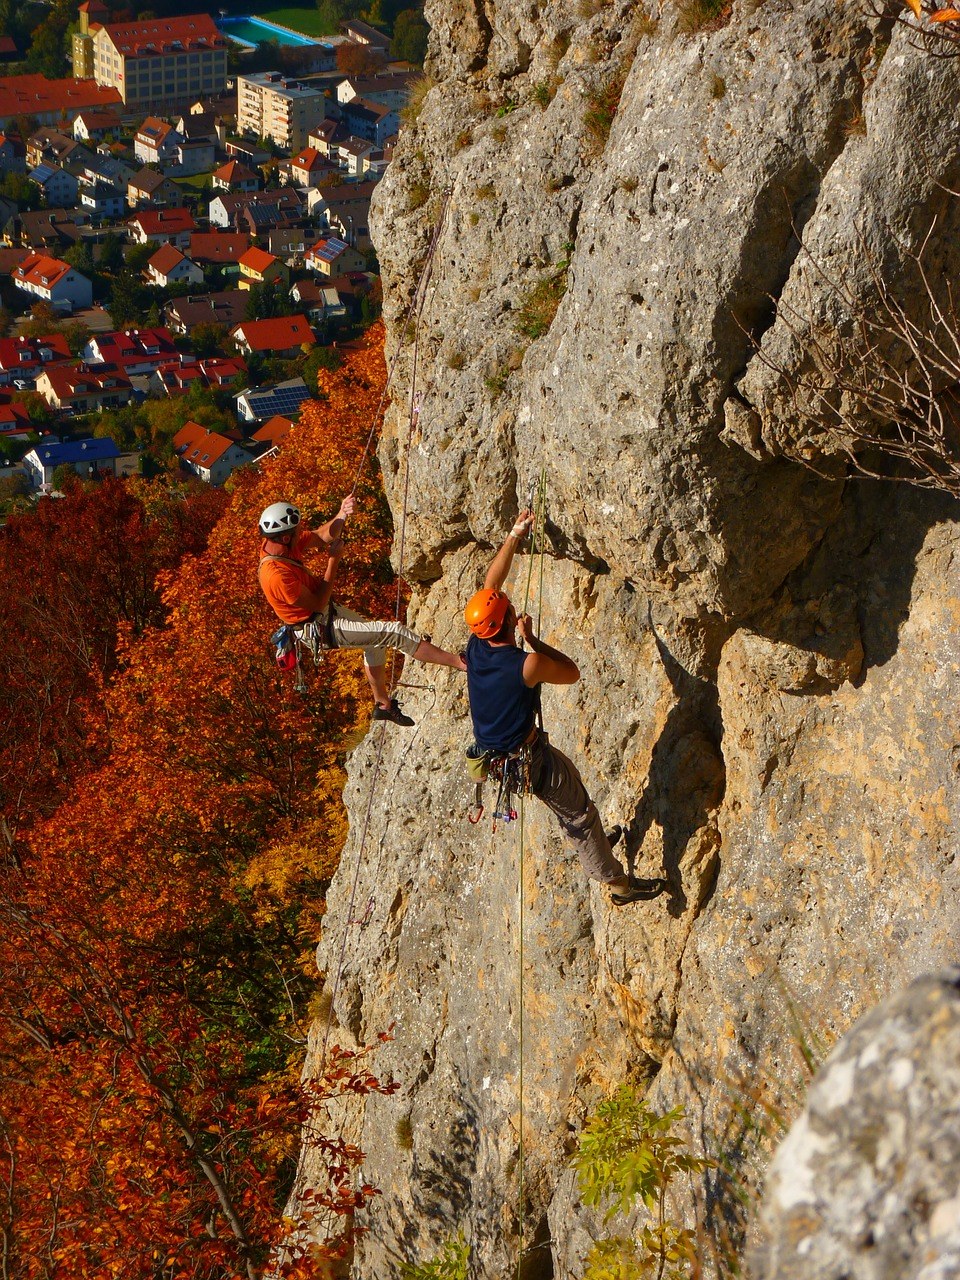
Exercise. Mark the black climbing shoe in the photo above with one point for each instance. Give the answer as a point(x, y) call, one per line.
point(393, 714)
point(639, 891)
point(614, 835)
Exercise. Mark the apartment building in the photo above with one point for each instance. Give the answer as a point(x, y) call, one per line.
point(269, 105)
point(157, 62)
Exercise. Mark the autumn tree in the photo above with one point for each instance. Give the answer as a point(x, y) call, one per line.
point(152, 1018)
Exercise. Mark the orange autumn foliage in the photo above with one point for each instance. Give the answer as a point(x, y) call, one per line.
point(154, 939)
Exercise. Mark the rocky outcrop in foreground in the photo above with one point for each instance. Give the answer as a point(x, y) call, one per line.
point(769, 656)
point(866, 1185)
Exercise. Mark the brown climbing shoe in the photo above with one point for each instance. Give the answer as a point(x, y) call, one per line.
point(393, 714)
point(639, 890)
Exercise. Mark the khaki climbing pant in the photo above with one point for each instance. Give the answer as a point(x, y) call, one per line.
point(556, 781)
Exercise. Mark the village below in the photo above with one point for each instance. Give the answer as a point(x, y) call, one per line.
point(184, 234)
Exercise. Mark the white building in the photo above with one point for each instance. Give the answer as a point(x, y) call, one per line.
point(54, 281)
point(271, 106)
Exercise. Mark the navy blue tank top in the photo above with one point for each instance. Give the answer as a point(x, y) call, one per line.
point(502, 706)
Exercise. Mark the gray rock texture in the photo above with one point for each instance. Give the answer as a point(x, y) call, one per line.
point(769, 655)
point(866, 1184)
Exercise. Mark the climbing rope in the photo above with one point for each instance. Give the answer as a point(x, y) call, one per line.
point(536, 553)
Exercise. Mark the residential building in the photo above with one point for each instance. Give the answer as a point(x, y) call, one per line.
point(370, 120)
point(155, 141)
point(58, 186)
point(271, 106)
point(221, 372)
point(92, 126)
point(332, 257)
point(218, 248)
point(270, 209)
point(226, 308)
point(235, 176)
point(208, 454)
point(134, 351)
point(53, 229)
point(13, 154)
point(156, 62)
point(169, 266)
point(76, 389)
point(308, 167)
point(259, 267)
point(320, 302)
point(49, 101)
point(282, 337)
point(353, 155)
point(21, 359)
point(159, 143)
point(163, 226)
point(89, 458)
point(274, 432)
point(15, 422)
point(107, 168)
point(103, 200)
point(362, 33)
point(149, 187)
point(390, 89)
point(54, 281)
point(259, 404)
point(50, 146)
point(290, 244)
point(251, 153)
point(174, 379)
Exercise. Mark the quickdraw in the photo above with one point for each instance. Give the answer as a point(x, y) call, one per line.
point(512, 775)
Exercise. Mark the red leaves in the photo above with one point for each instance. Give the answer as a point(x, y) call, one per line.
point(160, 926)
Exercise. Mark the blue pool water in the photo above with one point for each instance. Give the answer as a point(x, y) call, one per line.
point(251, 31)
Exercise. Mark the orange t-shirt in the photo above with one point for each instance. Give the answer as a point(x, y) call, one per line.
point(282, 581)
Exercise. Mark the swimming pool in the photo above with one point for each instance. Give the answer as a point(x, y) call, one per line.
point(250, 31)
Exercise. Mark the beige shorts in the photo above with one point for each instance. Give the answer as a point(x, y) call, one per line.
point(351, 631)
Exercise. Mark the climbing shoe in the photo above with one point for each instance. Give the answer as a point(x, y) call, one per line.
point(638, 890)
point(614, 835)
point(393, 714)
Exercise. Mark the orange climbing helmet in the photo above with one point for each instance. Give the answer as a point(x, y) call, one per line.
point(486, 611)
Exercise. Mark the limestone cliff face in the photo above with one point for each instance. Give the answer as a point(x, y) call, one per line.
point(769, 657)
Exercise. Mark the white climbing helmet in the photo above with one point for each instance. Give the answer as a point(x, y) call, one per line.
point(279, 517)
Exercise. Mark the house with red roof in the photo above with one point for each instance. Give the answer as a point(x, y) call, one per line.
point(155, 141)
point(308, 167)
point(257, 266)
point(49, 101)
point(218, 248)
point(163, 226)
point(135, 351)
point(170, 266)
point(273, 432)
point(283, 336)
point(93, 126)
point(208, 454)
point(74, 389)
point(175, 379)
point(21, 359)
point(54, 281)
point(221, 371)
point(235, 176)
point(15, 421)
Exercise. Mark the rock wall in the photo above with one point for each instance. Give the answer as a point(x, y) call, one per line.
point(768, 652)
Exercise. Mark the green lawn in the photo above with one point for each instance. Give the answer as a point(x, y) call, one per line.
point(195, 180)
point(303, 18)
